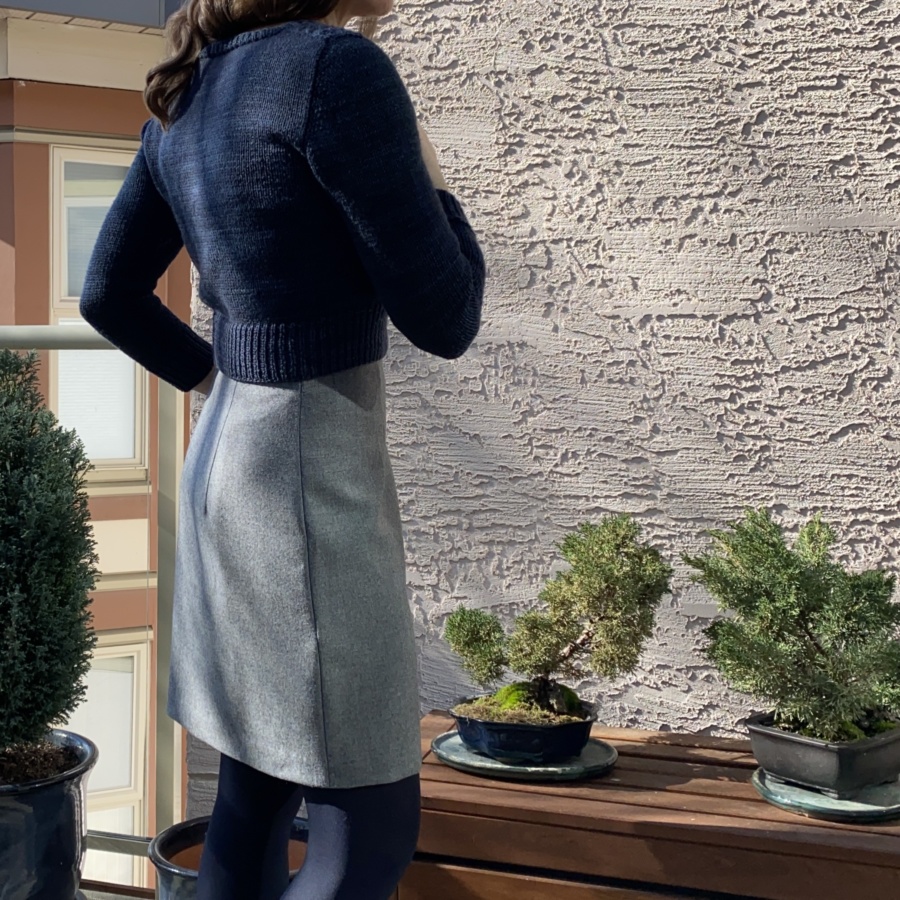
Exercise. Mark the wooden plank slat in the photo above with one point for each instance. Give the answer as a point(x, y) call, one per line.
point(712, 771)
point(672, 753)
point(434, 881)
point(737, 787)
point(641, 856)
point(798, 836)
point(696, 772)
point(117, 890)
point(654, 795)
point(671, 739)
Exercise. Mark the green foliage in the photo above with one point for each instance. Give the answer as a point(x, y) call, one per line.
point(597, 616)
point(538, 643)
point(479, 640)
point(614, 586)
point(47, 561)
point(815, 641)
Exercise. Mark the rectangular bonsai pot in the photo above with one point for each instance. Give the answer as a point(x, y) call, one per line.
point(838, 770)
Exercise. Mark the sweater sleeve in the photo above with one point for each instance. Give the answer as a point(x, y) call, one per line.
point(138, 241)
point(415, 243)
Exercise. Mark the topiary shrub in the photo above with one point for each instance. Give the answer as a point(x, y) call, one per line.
point(47, 564)
point(596, 618)
point(815, 642)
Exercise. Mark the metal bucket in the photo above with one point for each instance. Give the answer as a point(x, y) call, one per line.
point(177, 880)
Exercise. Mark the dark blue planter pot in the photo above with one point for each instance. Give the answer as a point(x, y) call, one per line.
point(838, 770)
point(176, 882)
point(526, 744)
point(43, 829)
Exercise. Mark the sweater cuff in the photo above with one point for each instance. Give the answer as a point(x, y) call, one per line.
point(194, 366)
point(451, 205)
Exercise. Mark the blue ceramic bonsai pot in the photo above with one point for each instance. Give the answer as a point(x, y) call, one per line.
point(838, 770)
point(526, 744)
point(176, 851)
point(43, 829)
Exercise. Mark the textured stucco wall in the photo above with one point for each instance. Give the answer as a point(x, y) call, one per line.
point(689, 211)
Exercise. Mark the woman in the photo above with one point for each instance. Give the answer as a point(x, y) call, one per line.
point(284, 153)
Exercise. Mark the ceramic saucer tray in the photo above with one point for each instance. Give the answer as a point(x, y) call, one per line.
point(596, 759)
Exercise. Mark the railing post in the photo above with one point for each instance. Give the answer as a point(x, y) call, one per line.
point(168, 733)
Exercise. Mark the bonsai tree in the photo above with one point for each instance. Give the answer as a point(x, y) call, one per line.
point(816, 642)
point(595, 618)
point(47, 568)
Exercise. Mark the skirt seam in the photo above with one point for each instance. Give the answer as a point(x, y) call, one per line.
point(311, 588)
point(219, 435)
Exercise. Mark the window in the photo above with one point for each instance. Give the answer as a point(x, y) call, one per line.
point(100, 395)
point(88, 190)
point(115, 716)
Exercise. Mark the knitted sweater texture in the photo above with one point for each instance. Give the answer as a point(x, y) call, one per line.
point(293, 175)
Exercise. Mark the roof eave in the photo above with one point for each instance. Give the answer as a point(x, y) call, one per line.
point(143, 13)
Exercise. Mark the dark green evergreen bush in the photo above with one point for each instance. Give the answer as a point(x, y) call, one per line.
point(815, 642)
point(596, 617)
point(47, 561)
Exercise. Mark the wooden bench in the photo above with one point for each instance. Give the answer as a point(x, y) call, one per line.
point(677, 817)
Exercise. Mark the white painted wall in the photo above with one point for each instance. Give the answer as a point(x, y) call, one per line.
point(34, 50)
point(123, 545)
point(690, 216)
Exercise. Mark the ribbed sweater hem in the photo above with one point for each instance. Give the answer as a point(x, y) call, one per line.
point(273, 352)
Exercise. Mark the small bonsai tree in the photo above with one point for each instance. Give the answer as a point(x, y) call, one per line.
point(817, 643)
point(47, 568)
point(596, 618)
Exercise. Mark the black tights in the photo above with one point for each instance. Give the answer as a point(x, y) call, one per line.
point(360, 839)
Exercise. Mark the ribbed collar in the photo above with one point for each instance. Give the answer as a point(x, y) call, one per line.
point(217, 48)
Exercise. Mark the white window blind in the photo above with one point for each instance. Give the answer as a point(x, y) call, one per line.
point(97, 397)
point(107, 717)
point(88, 192)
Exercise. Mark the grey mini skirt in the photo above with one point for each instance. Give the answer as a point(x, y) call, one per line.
point(293, 646)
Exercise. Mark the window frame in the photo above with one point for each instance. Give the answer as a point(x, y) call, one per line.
point(118, 470)
point(136, 644)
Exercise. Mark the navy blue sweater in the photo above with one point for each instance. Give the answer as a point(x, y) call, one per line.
point(293, 174)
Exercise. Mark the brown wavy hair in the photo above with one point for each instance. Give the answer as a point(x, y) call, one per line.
point(201, 22)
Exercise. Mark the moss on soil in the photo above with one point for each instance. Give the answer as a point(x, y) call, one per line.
point(514, 704)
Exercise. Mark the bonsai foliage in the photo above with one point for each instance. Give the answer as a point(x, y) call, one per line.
point(594, 617)
point(816, 642)
point(47, 561)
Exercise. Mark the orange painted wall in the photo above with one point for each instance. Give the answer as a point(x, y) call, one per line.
point(7, 235)
point(77, 110)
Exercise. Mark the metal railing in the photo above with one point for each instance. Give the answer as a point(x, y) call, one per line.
point(171, 416)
